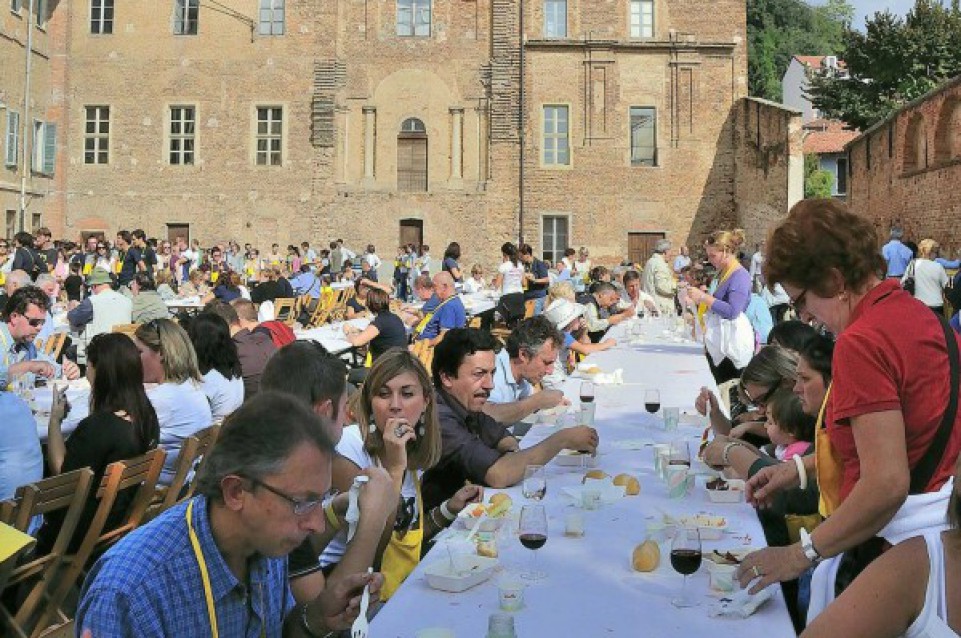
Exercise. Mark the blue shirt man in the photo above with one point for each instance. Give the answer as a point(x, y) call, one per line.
point(306, 283)
point(896, 254)
point(507, 389)
point(448, 314)
point(21, 460)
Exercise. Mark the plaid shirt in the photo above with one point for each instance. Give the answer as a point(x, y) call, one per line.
point(149, 585)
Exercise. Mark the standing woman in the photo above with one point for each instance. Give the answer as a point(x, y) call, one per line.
point(451, 265)
point(170, 365)
point(218, 362)
point(889, 429)
point(122, 425)
point(929, 276)
point(729, 345)
point(397, 429)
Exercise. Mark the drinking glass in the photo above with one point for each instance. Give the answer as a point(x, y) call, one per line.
point(535, 482)
point(533, 535)
point(680, 453)
point(587, 392)
point(686, 559)
point(652, 400)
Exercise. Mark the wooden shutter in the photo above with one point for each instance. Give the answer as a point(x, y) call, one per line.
point(49, 148)
point(412, 164)
point(13, 138)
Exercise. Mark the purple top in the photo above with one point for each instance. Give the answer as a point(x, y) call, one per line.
point(733, 295)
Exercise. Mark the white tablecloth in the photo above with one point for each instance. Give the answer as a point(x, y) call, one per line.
point(331, 336)
point(591, 590)
point(78, 395)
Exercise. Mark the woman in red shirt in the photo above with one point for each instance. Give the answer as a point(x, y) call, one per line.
point(891, 385)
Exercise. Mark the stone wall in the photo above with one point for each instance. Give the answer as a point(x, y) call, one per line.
point(905, 170)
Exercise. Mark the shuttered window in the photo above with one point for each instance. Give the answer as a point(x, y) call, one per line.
point(12, 139)
point(412, 156)
point(44, 147)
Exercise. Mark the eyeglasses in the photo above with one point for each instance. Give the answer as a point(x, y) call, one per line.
point(762, 400)
point(301, 507)
point(799, 302)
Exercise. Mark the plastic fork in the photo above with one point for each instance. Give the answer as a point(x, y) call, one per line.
point(360, 627)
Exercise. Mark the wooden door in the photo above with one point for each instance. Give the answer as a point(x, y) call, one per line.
point(411, 232)
point(640, 246)
point(178, 230)
point(412, 163)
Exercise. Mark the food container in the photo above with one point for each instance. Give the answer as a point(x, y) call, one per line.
point(732, 493)
point(469, 515)
point(712, 528)
point(721, 576)
point(464, 572)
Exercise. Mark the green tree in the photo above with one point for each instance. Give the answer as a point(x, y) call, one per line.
point(780, 29)
point(817, 183)
point(893, 62)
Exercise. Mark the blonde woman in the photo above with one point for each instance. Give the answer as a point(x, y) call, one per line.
point(195, 286)
point(174, 386)
point(727, 303)
point(929, 276)
point(397, 429)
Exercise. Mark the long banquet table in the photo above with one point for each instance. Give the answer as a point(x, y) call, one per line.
point(591, 590)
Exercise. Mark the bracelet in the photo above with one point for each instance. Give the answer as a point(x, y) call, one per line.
point(801, 471)
point(450, 516)
point(433, 518)
point(725, 455)
point(305, 625)
point(332, 516)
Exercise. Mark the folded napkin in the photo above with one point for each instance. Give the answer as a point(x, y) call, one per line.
point(612, 378)
point(742, 605)
point(632, 444)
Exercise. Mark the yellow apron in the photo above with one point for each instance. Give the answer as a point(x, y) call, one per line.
point(403, 551)
point(87, 269)
point(118, 265)
point(426, 320)
point(828, 465)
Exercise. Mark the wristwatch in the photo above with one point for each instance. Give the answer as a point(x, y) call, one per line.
point(807, 546)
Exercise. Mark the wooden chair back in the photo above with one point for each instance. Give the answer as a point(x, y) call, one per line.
point(53, 345)
point(423, 351)
point(192, 455)
point(319, 316)
point(140, 473)
point(529, 306)
point(66, 491)
point(284, 310)
point(126, 328)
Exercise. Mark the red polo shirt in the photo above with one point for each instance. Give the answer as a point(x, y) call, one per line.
point(892, 356)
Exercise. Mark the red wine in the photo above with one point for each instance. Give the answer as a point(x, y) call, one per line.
point(585, 399)
point(679, 462)
point(652, 407)
point(684, 561)
point(536, 541)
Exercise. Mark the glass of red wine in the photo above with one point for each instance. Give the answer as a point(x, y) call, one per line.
point(535, 482)
point(686, 559)
point(587, 392)
point(533, 535)
point(652, 400)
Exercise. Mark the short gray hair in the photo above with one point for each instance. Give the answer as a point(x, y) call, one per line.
point(16, 279)
point(45, 278)
point(662, 246)
point(530, 336)
point(897, 232)
point(258, 439)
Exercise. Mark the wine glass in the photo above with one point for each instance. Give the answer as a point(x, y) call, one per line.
point(652, 400)
point(587, 392)
point(686, 559)
point(533, 535)
point(535, 482)
point(680, 453)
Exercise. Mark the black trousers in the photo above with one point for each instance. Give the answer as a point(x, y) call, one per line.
point(723, 372)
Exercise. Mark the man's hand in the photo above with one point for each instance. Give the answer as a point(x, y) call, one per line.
point(581, 437)
point(377, 498)
point(769, 481)
point(339, 604)
point(70, 370)
point(547, 399)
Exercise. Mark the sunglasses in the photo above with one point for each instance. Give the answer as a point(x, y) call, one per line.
point(762, 400)
point(35, 323)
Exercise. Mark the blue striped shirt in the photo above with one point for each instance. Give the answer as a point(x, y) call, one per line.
point(149, 585)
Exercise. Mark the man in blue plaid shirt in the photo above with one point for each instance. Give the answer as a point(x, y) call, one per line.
point(216, 565)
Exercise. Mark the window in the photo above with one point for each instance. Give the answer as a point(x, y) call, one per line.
point(11, 223)
point(556, 145)
point(270, 135)
point(96, 143)
point(182, 125)
point(101, 17)
point(12, 154)
point(413, 18)
point(37, 222)
point(271, 17)
point(643, 136)
point(186, 17)
point(41, 8)
point(642, 18)
point(842, 176)
point(555, 18)
point(555, 237)
point(44, 147)
point(15, 6)
point(412, 156)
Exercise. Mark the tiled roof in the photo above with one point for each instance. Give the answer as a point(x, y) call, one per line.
point(826, 136)
point(815, 61)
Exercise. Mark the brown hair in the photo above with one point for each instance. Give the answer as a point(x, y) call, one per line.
point(171, 341)
point(425, 451)
point(785, 409)
point(729, 240)
point(378, 301)
point(245, 309)
point(818, 237)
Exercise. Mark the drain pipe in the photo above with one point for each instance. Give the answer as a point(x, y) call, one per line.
point(25, 129)
point(520, 127)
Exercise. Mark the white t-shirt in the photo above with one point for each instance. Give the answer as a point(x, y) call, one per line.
point(351, 447)
point(472, 286)
point(929, 280)
point(224, 395)
point(373, 260)
point(512, 278)
point(182, 410)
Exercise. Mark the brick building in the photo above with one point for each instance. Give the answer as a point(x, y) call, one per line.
point(905, 170)
point(382, 121)
point(28, 131)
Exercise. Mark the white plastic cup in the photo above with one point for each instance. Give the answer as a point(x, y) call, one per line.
point(510, 593)
point(662, 452)
point(573, 523)
point(587, 413)
point(721, 576)
point(672, 417)
point(591, 499)
point(436, 632)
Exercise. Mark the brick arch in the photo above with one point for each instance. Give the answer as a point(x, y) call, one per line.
point(947, 140)
point(915, 151)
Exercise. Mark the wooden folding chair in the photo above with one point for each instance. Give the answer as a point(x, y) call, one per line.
point(529, 307)
point(12, 550)
point(126, 328)
point(319, 316)
point(284, 310)
point(192, 455)
point(53, 345)
point(423, 351)
point(140, 473)
point(66, 630)
point(68, 492)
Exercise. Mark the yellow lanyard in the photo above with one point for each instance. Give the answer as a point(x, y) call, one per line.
point(204, 576)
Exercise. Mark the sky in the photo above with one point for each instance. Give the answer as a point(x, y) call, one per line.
point(868, 8)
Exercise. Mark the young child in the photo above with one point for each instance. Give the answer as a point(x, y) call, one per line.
point(476, 282)
point(73, 284)
point(791, 430)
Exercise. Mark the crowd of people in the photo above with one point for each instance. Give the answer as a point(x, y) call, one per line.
point(840, 368)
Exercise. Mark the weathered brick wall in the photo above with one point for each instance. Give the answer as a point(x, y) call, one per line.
point(906, 170)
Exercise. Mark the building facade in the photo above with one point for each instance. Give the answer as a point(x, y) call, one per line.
point(28, 113)
point(905, 170)
point(796, 81)
point(565, 122)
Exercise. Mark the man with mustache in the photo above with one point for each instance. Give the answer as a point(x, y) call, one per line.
point(477, 448)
